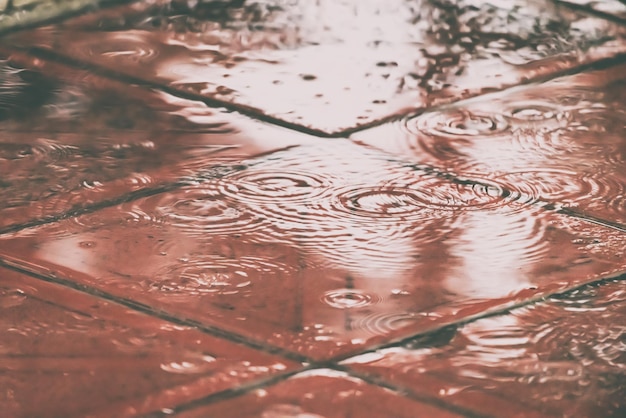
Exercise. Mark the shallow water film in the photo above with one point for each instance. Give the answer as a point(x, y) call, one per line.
point(293, 208)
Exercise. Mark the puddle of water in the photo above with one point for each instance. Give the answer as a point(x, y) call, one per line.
point(616, 8)
point(361, 248)
point(69, 139)
point(319, 394)
point(333, 65)
point(98, 356)
point(559, 142)
point(562, 357)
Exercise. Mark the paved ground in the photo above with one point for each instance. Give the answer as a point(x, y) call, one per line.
point(315, 208)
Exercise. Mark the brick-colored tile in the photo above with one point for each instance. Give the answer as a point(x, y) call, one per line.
point(64, 353)
point(319, 393)
point(563, 357)
point(334, 65)
point(319, 254)
point(560, 142)
point(69, 139)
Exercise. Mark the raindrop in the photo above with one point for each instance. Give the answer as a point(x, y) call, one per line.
point(348, 298)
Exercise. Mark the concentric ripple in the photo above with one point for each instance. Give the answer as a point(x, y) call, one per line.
point(132, 46)
point(195, 211)
point(348, 298)
point(203, 274)
point(384, 322)
point(566, 187)
point(264, 186)
point(457, 124)
point(405, 201)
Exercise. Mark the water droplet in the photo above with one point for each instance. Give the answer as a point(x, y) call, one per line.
point(348, 298)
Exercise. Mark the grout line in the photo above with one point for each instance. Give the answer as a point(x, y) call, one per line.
point(592, 219)
point(163, 315)
point(226, 394)
point(600, 64)
point(621, 276)
point(257, 114)
point(591, 11)
point(248, 111)
point(409, 393)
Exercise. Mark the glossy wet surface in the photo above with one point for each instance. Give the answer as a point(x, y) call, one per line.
point(315, 209)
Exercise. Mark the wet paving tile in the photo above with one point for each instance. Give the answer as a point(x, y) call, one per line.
point(70, 140)
point(562, 357)
point(333, 65)
point(560, 142)
point(320, 254)
point(64, 353)
point(315, 394)
point(616, 8)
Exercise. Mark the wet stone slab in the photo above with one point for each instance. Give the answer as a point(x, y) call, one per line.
point(320, 254)
point(563, 357)
point(333, 65)
point(70, 140)
point(318, 393)
point(616, 8)
point(559, 143)
point(66, 353)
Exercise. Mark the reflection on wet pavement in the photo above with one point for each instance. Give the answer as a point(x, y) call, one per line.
point(559, 142)
point(63, 353)
point(315, 208)
point(359, 248)
point(320, 393)
point(333, 65)
point(136, 140)
point(563, 357)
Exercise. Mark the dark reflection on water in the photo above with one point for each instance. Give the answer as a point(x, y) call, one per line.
point(69, 139)
point(563, 357)
point(323, 248)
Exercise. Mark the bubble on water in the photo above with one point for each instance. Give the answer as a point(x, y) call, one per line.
point(191, 364)
point(349, 298)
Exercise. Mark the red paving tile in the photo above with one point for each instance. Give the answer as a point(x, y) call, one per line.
point(322, 271)
point(615, 8)
point(333, 65)
point(319, 393)
point(560, 142)
point(314, 248)
point(94, 139)
point(64, 353)
point(563, 357)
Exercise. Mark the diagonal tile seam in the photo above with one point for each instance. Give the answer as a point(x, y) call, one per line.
point(229, 393)
point(373, 379)
point(409, 393)
point(258, 114)
point(489, 313)
point(241, 390)
point(204, 175)
point(42, 13)
point(248, 111)
point(157, 313)
point(590, 11)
